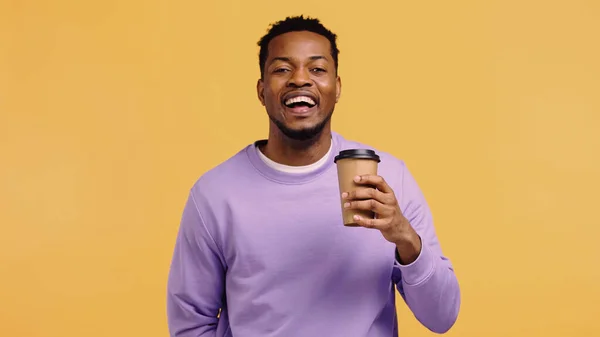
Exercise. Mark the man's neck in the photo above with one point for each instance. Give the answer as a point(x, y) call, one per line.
point(283, 150)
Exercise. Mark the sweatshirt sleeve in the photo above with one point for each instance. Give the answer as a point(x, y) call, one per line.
point(428, 285)
point(196, 279)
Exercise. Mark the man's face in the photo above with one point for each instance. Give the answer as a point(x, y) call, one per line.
point(300, 86)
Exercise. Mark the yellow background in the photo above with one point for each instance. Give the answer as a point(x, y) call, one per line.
point(111, 109)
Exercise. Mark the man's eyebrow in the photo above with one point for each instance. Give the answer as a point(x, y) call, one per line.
point(281, 58)
point(288, 59)
point(318, 57)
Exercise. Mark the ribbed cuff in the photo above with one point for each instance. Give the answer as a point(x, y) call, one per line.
point(420, 269)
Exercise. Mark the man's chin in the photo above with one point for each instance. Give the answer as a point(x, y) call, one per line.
point(302, 133)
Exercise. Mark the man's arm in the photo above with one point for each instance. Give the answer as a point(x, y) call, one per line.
point(427, 283)
point(196, 279)
point(423, 276)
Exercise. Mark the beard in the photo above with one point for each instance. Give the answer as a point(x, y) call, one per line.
point(303, 134)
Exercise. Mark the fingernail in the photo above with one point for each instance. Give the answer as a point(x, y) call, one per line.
point(344, 195)
point(357, 178)
point(356, 217)
point(346, 205)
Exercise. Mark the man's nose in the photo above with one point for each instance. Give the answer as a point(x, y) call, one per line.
point(299, 78)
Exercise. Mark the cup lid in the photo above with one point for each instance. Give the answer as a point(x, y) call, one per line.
point(357, 154)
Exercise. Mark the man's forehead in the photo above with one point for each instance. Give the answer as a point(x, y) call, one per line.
point(299, 45)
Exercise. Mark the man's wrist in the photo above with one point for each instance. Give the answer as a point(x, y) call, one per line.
point(408, 248)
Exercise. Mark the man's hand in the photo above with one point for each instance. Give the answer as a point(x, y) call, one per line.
point(379, 198)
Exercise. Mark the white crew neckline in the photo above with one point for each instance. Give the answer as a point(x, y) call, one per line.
point(295, 169)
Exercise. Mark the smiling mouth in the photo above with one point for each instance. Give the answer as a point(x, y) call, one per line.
point(300, 104)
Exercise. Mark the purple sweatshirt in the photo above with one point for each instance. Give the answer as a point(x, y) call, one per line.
point(261, 252)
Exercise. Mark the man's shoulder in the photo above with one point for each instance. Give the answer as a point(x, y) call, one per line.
point(226, 173)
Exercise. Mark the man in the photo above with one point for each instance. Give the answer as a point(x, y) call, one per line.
point(262, 250)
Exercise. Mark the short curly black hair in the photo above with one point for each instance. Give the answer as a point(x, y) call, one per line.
point(296, 24)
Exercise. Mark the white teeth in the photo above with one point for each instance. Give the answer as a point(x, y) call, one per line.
point(299, 99)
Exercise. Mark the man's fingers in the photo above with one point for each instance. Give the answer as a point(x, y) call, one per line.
point(380, 224)
point(373, 180)
point(365, 193)
point(367, 205)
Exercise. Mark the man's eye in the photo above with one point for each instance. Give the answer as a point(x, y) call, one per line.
point(280, 70)
point(319, 70)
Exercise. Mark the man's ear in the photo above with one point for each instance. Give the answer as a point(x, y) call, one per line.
point(338, 89)
point(260, 91)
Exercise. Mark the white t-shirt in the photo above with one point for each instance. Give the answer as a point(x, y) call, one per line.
point(294, 169)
